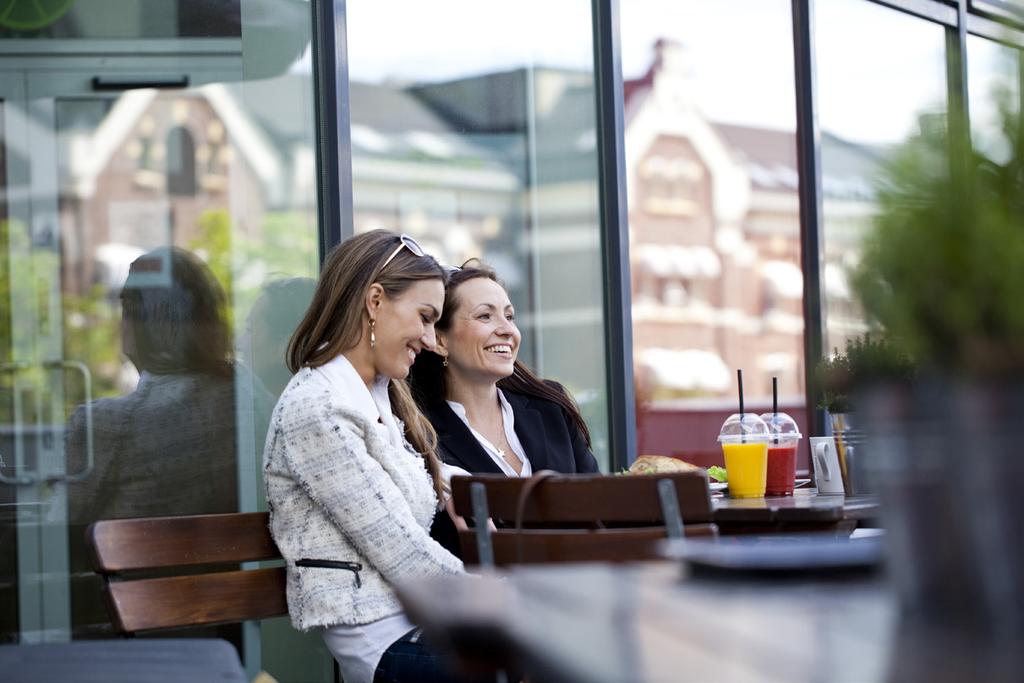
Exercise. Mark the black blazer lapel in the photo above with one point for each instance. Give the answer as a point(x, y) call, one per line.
point(456, 443)
point(530, 430)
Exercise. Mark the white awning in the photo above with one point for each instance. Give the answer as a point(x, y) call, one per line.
point(778, 362)
point(785, 278)
point(655, 259)
point(695, 262)
point(836, 284)
point(687, 262)
point(687, 370)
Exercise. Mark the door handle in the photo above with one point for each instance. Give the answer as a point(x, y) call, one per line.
point(87, 389)
point(127, 82)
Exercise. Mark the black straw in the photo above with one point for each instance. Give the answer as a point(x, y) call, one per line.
point(739, 383)
point(775, 406)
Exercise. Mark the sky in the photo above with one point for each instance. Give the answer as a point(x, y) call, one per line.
point(877, 68)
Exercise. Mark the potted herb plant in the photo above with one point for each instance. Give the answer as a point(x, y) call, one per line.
point(942, 273)
point(866, 361)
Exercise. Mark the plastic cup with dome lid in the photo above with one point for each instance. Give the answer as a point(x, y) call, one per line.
point(744, 438)
point(784, 440)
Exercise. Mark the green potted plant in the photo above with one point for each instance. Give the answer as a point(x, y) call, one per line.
point(942, 274)
point(865, 361)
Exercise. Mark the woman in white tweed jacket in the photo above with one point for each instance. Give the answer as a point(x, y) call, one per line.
point(353, 481)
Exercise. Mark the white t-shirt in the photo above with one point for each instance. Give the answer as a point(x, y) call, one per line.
point(358, 649)
point(509, 420)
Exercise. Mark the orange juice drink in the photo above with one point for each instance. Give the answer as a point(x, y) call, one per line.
point(746, 464)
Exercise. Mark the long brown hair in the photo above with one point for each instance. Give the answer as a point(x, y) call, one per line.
point(334, 321)
point(174, 314)
point(429, 380)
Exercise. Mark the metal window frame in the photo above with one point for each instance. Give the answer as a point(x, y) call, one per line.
point(808, 143)
point(1007, 33)
point(333, 123)
point(932, 10)
point(956, 75)
point(622, 438)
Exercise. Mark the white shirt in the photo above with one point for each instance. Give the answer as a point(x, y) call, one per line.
point(509, 420)
point(358, 649)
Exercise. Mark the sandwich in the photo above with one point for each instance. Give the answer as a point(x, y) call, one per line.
point(659, 464)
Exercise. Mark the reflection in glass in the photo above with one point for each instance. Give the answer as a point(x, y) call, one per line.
point(713, 216)
point(122, 18)
point(869, 100)
point(269, 326)
point(488, 149)
point(143, 229)
point(993, 82)
point(168, 446)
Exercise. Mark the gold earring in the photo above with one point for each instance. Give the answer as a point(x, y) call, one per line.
point(444, 362)
point(373, 337)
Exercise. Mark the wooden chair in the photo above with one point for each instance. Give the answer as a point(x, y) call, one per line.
point(579, 518)
point(203, 551)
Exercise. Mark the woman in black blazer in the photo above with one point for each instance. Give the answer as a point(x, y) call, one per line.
point(492, 414)
point(548, 435)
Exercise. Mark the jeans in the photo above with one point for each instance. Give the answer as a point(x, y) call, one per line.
point(410, 660)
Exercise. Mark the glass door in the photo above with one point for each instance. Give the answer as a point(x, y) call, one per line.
point(31, 379)
point(63, 265)
point(158, 232)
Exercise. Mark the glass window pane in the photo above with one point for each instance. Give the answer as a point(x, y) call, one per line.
point(869, 102)
point(122, 18)
point(487, 148)
point(713, 216)
point(993, 83)
point(157, 246)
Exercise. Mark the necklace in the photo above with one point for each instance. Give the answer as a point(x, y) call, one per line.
point(511, 458)
point(501, 452)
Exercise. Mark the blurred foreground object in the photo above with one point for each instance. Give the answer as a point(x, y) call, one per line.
point(942, 274)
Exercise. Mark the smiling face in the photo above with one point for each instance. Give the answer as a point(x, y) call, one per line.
point(405, 326)
point(482, 341)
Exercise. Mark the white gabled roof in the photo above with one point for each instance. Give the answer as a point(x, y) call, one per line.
point(90, 155)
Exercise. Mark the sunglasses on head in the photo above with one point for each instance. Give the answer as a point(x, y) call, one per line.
point(404, 241)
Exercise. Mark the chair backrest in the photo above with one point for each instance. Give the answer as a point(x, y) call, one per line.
point(588, 499)
point(649, 505)
point(540, 546)
point(208, 548)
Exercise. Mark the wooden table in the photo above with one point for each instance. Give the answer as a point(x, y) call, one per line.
point(642, 623)
point(805, 510)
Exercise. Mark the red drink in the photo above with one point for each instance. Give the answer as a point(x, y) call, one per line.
point(781, 469)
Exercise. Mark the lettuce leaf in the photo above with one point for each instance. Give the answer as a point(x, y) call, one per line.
point(717, 473)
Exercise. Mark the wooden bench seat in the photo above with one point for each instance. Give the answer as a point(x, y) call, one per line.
point(201, 553)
